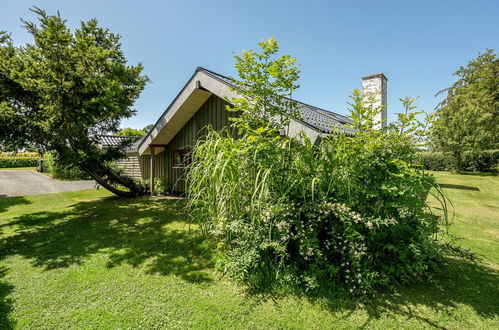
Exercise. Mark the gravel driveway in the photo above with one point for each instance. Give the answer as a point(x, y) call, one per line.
point(23, 182)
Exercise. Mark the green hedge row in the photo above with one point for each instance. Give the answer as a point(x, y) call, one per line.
point(20, 154)
point(18, 161)
point(472, 161)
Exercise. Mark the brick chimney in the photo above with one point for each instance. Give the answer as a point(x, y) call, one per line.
point(375, 84)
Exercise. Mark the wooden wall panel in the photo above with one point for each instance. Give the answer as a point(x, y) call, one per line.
point(212, 112)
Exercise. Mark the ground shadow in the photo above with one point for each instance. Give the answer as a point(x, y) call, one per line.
point(148, 233)
point(458, 282)
point(5, 302)
point(479, 173)
point(458, 186)
point(8, 202)
point(132, 231)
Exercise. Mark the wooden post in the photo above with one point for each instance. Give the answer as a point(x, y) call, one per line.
point(152, 171)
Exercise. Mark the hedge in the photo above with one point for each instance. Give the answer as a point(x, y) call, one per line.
point(51, 164)
point(472, 161)
point(18, 161)
point(20, 154)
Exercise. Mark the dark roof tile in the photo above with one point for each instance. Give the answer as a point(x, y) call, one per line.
point(106, 141)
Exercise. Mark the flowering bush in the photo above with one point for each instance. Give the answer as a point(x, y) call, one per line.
point(346, 213)
point(349, 213)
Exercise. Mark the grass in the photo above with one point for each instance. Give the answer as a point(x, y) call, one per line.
point(19, 168)
point(90, 260)
point(476, 205)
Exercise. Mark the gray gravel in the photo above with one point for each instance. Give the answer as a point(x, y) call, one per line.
point(26, 182)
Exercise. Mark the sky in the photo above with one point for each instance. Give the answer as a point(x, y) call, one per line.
point(416, 44)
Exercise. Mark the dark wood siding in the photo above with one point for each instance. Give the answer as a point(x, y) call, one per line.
point(212, 112)
point(159, 165)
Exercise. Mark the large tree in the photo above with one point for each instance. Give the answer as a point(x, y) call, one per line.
point(63, 90)
point(468, 117)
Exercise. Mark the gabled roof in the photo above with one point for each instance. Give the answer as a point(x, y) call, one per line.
point(203, 83)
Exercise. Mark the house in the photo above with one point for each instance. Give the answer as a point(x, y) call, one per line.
point(163, 152)
point(131, 164)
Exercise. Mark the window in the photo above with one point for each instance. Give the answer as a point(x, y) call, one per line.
point(181, 158)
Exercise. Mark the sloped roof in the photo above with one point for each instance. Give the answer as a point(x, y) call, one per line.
point(106, 141)
point(322, 120)
point(203, 83)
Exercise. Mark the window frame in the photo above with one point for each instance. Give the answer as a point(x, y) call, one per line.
point(184, 151)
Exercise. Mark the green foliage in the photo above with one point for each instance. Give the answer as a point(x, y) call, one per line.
point(63, 90)
point(20, 154)
point(362, 111)
point(350, 212)
point(59, 170)
point(347, 214)
point(129, 131)
point(480, 160)
point(472, 161)
point(467, 119)
point(18, 161)
point(162, 186)
point(265, 87)
point(147, 128)
point(145, 246)
point(438, 161)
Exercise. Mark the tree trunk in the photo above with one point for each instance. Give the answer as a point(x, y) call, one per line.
point(459, 162)
point(107, 185)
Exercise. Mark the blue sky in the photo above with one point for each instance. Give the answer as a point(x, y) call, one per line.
point(417, 44)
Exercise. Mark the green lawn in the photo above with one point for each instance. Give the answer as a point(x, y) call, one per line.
point(90, 260)
point(19, 168)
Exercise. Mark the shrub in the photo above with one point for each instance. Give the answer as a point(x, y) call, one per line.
point(349, 213)
point(59, 171)
point(20, 154)
point(480, 161)
point(18, 161)
point(473, 161)
point(346, 214)
point(162, 186)
point(438, 161)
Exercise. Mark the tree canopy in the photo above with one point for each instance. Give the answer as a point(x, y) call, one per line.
point(130, 131)
point(64, 89)
point(468, 117)
point(266, 85)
